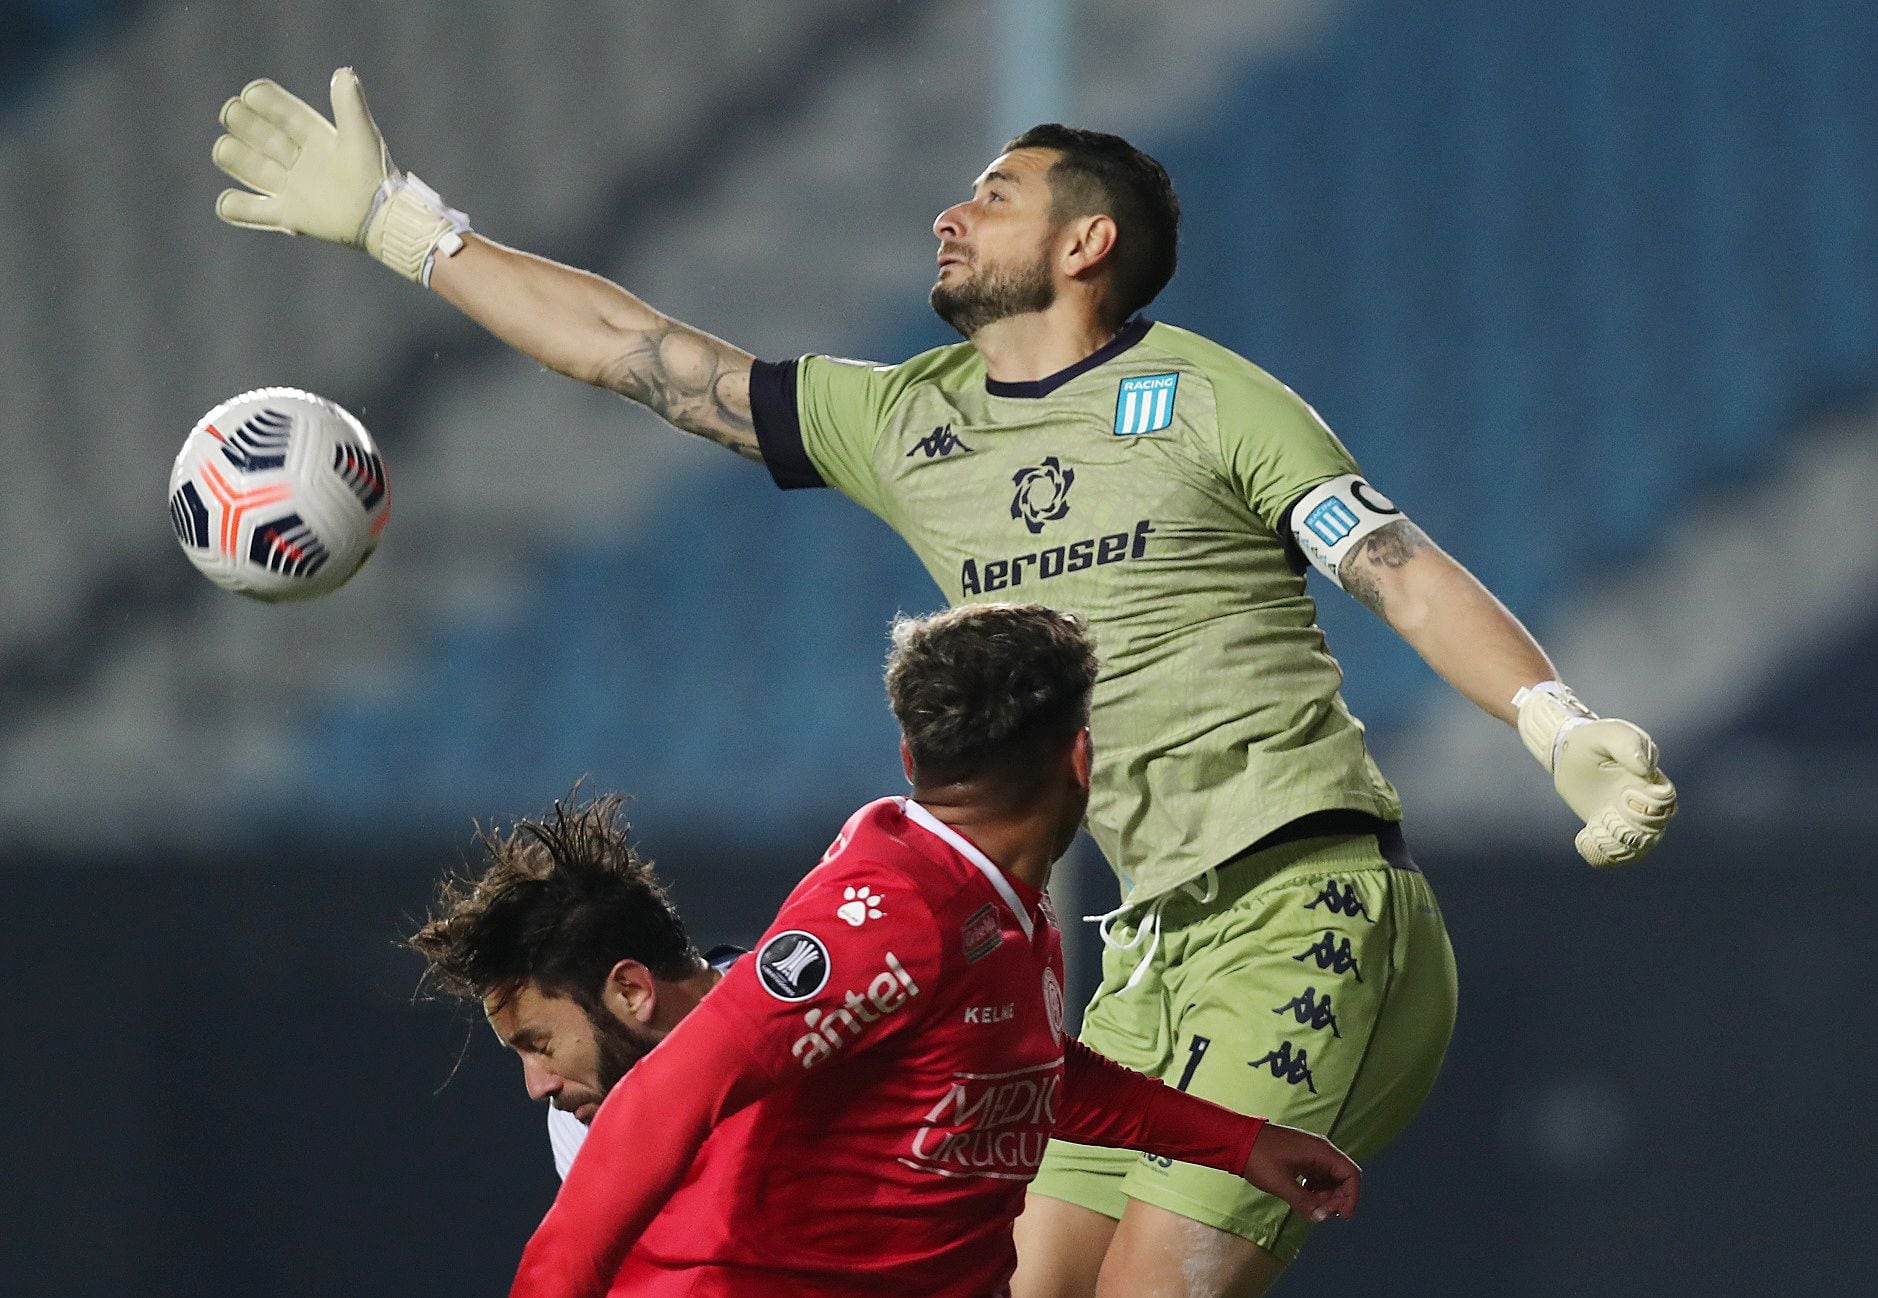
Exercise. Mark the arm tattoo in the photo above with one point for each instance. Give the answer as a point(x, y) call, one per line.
point(1389, 546)
point(691, 380)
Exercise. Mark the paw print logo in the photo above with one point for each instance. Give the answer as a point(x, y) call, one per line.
point(859, 905)
point(1042, 493)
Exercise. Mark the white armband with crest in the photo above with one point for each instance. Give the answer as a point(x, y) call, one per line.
point(1331, 518)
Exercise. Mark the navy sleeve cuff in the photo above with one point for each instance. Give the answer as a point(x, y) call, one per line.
point(1294, 553)
point(779, 427)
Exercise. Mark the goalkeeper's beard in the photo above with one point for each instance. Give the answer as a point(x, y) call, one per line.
point(990, 294)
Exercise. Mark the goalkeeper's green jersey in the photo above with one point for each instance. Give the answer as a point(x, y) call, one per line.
point(1146, 488)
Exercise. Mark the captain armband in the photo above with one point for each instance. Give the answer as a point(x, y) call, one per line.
point(1331, 518)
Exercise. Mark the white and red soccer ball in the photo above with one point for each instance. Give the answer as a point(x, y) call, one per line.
point(279, 495)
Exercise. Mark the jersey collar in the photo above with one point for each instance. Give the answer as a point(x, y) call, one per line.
point(1131, 333)
point(967, 849)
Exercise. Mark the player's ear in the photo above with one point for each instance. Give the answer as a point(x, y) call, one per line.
point(1090, 243)
point(1082, 757)
point(906, 761)
point(631, 995)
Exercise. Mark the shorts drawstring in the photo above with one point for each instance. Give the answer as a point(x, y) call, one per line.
point(1203, 889)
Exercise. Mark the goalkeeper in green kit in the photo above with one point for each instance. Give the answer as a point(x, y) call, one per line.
point(1275, 948)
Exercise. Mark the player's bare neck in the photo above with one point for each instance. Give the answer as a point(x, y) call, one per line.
point(1021, 841)
point(679, 997)
point(1037, 344)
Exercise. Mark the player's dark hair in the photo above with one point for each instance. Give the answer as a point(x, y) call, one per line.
point(563, 900)
point(990, 691)
point(1101, 173)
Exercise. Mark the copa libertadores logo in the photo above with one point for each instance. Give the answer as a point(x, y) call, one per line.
point(793, 965)
point(1042, 493)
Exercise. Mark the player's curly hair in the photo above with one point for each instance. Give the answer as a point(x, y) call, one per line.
point(563, 900)
point(1098, 172)
point(990, 690)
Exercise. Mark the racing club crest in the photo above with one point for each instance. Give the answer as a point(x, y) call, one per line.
point(1145, 404)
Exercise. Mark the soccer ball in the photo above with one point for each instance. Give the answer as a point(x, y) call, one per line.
point(279, 495)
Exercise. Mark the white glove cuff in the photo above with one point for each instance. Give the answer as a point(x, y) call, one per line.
point(1548, 712)
point(409, 224)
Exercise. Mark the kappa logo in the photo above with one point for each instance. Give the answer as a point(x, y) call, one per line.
point(1310, 1011)
point(1289, 1067)
point(858, 905)
point(938, 444)
point(1042, 493)
point(1332, 955)
point(1340, 899)
point(793, 965)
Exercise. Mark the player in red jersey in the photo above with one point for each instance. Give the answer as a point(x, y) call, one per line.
point(859, 1106)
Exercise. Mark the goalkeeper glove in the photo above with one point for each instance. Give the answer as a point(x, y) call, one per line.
point(332, 180)
point(1605, 770)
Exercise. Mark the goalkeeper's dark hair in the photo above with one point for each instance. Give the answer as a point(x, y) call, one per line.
point(990, 691)
point(1101, 173)
point(562, 900)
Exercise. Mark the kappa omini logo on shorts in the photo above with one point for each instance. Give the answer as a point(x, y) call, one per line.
point(1289, 1067)
point(1145, 404)
point(1331, 955)
point(1340, 898)
point(1312, 1012)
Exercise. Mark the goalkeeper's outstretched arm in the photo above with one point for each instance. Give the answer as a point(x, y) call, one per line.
point(1451, 620)
point(335, 181)
point(1605, 769)
point(593, 330)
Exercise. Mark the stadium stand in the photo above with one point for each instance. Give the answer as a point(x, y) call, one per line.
point(118, 667)
point(1496, 287)
point(1503, 253)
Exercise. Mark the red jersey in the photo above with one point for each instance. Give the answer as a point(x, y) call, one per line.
point(858, 1106)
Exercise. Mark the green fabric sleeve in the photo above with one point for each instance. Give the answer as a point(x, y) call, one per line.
point(841, 404)
point(1273, 446)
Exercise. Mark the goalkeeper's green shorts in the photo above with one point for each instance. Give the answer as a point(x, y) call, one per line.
point(1316, 988)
